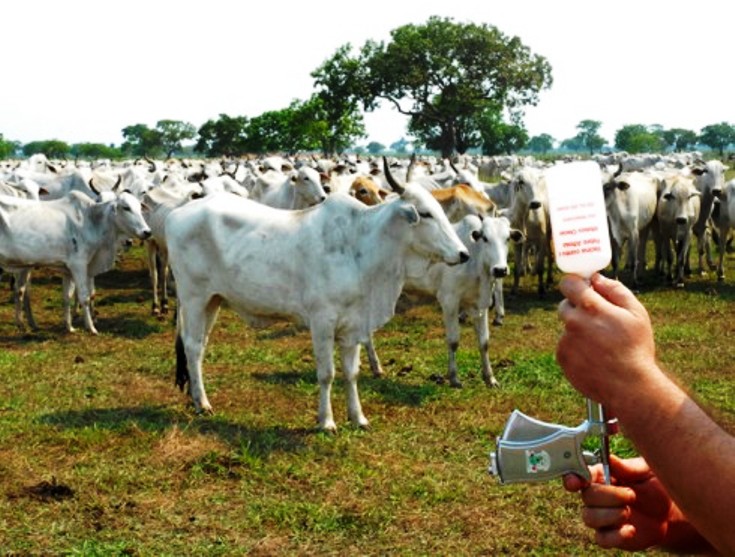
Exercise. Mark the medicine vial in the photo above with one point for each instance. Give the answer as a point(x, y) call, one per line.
point(578, 218)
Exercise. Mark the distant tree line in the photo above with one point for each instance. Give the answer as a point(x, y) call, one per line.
point(463, 86)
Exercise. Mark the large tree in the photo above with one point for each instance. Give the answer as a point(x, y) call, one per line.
point(718, 136)
point(637, 138)
point(141, 141)
point(226, 136)
point(52, 148)
point(8, 148)
point(680, 139)
point(174, 133)
point(542, 143)
point(443, 75)
point(588, 135)
point(336, 103)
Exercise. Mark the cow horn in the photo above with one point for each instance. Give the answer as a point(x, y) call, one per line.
point(91, 186)
point(149, 161)
point(411, 166)
point(619, 171)
point(117, 184)
point(395, 186)
point(451, 165)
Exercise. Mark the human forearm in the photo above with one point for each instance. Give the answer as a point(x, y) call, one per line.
point(690, 454)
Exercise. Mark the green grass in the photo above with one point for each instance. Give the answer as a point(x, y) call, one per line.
point(101, 455)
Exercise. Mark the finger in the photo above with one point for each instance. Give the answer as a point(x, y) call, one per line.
point(603, 495)
point(573, 482)
point(572, 287)
point(614, 292)
point(610, 538)
point(629, 470)
point(607, 517)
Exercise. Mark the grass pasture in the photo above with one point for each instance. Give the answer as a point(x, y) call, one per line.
point(101, 455)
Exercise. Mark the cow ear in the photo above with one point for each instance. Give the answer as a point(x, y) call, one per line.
point(622, 186)
point(517, 235)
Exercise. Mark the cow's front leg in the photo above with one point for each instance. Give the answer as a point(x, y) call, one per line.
point(450, 315)
point(482, 331)
point(323, 344)
point(350, 355)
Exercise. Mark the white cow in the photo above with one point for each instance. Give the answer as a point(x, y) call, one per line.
point(709, 179)
point(468, 288)
point(630, 200)
point(337, 267)
point(158, 203)
point(678, 209)
point(74, 234)
point(297, 190)
point(529, 213)
point(723, 218)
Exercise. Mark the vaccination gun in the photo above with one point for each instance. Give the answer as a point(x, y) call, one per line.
point(530, 450)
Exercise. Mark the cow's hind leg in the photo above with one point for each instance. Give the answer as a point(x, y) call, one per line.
point(195, 322)
point(373, 359)
point(350, 355)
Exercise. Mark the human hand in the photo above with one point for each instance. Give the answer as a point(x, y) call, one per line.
point(607, 344)
point(633, 513)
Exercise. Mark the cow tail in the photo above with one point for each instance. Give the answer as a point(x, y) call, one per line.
point(182, 369)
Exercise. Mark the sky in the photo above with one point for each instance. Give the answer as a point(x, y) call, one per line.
point(82, 70)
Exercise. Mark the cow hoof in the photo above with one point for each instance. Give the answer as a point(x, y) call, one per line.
point(498, 322)
point(455, 383)
point(492, 383)
point(680, 284)
point(329, 427)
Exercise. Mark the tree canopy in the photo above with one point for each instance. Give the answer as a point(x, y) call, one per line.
point(443, 75)
point(718, 136)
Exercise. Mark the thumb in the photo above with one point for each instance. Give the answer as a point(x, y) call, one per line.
point(614, 292)
point(629, 470)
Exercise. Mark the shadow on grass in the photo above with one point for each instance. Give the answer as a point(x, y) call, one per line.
point(158, 419)
point(390, 390)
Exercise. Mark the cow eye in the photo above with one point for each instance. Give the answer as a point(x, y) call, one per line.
point(425, 215)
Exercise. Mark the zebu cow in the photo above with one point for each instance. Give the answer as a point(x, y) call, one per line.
point(723, 218)
point(709, 179)
point(74, 234)
point(529, 213)
point(678, 211)
point(365, 190)
point(630, 200)
point(469, 288)
point(158, 203)
point(338, 267)
point(294, 191)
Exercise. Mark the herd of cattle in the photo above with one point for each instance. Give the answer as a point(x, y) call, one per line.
point(333, 243)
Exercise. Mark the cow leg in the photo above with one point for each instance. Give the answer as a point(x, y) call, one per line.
point(151, 250)
point(323, 344)
point(350, 355)
point(518, 262)
point(722, 244)
point(163, 273)
point(84, 297)
point(498, 302)
point(22, 295)
point(375, 366)
point(67, 292)
point(450, 313)
point(195, 322)
point(482, 331)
